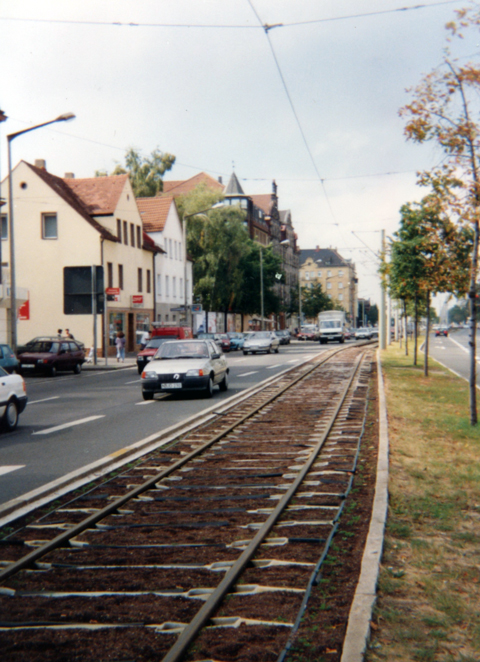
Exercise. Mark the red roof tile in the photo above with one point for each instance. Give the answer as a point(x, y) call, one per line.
point(154, 212)
point(99, 194)
point(177, 188)
point(264, 201)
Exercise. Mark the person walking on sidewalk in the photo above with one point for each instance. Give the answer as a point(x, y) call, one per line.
point(120, 344)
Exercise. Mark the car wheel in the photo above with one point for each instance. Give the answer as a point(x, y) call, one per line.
point(224, 383)
point(77, 369)
point(245, 353)
point(10, 417)
point(269, 350)
point(140, 370)
point(276, 350)
point(147, 395)
point(52, 371)
point(209, 388)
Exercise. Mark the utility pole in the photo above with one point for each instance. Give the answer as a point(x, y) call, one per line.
point(382, 325)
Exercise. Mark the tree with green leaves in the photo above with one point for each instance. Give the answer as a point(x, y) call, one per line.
point(315, 301)
point(145, 174)
point(444, 110)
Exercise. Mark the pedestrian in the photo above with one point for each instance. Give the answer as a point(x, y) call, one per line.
point(120, 344)
point(144, 339)
point(68, 334)
point(59, 333)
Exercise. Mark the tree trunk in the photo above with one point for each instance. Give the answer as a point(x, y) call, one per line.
point(473, 329)
point(406, 325)
point(415, 337)
point(425, 368)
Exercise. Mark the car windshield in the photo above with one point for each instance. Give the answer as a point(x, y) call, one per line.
point(155, 343)
point(233, 334)
point(208, 336)
point(330, 324)
point(183, 350)
point(258, 335)
point(44, 346)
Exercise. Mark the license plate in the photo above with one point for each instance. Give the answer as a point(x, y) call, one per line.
point(27, 365)
point(175, 385)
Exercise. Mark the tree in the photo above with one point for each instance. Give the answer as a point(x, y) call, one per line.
point(314, 301)
point(458, 313)
point(146, 174)
point(442, 111)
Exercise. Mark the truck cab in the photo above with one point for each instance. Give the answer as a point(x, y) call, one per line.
point(332, 325)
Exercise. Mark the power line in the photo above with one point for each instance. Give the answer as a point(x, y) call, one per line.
point(213, 26)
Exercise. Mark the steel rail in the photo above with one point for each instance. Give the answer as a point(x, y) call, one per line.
point(206, 611)
point(90, 521)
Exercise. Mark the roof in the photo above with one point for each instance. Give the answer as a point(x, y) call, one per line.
point(149, 245)
point(264, 201)
point(233, 187)
point(176, 188)
point(71, 198)
point(99, 194)
point(329, 257)
point(154, 212)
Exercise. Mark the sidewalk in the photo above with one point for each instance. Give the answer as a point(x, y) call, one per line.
point(111, 363)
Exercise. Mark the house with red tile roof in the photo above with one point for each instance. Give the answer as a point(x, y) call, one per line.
point(66, 222)
point(173, 269)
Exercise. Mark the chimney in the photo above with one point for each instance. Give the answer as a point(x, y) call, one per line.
point(220, 180)
point(69, 175)
point(41, 163)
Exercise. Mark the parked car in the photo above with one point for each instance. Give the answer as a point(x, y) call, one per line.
point(13, 398)
point(223, 340)
point(283, 336)
point(442, 331)
point(261, 341)
point(8, 360)
point(236, 340)
point(185, 365)
point(51, 354)
point(363, 333)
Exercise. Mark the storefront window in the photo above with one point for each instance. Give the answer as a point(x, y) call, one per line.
point(116, 323)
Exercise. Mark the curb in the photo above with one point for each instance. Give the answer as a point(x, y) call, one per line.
point(358, 628)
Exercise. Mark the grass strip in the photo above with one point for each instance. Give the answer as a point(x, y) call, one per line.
point(428, 606)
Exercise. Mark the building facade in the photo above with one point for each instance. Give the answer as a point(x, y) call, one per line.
point(336, 275)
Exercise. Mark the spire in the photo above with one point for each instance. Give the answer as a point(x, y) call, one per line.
point(233, 186)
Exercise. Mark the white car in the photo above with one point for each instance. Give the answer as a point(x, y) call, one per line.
point(261, 341)
point(185, 365)
point(13, 398)
point(363, 333)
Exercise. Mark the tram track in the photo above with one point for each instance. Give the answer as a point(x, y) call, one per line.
point(222, 529)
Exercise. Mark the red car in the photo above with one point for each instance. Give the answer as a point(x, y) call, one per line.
point(51, 355)
point(441, 332)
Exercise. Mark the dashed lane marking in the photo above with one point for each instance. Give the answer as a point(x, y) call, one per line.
point(273, 367)
point(135, 381)
point(35, 402)
point(246, 374)
point(8, 468)
point(144, 402)
point(68, 425)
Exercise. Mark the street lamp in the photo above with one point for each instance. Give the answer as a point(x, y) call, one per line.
point(13, 303)
point(218, 205)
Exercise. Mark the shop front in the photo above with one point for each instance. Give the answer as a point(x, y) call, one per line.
point(132, 323)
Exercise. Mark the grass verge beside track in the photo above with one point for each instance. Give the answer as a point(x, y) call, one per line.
point(428, 606)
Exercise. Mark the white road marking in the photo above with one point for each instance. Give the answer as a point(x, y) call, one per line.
point(13, 467)
point(293, 360)
point(245, 374)
point(69, 425)
point(144, 402)
point(135, 381)
point(273, 367)
point(35, 402)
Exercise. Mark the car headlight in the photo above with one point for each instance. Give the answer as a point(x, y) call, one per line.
point(149, 374)
point(194, 372)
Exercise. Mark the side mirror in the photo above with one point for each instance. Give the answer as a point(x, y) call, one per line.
point(215, 356)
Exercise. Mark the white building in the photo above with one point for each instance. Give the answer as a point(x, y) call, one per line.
point(173, 269)
point(67, 222)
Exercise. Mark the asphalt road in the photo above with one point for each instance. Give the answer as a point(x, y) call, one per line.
point(454, 352)
point(73, 420)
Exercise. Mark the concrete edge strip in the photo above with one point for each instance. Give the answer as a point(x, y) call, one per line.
point(22, 505)
point(358, 628)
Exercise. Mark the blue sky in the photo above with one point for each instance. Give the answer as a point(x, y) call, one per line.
point(214, 97)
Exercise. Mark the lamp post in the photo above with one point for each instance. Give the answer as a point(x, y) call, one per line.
point(13, 294)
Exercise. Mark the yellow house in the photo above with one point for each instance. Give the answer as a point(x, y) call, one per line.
point(61, 223)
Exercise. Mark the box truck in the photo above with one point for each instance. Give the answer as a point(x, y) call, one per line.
point(332, 326)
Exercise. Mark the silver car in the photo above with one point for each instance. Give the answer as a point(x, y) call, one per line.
point(261, 341)
point(185, 365)
point(13, 398)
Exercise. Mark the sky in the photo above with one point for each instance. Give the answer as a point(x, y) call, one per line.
point(311, 103)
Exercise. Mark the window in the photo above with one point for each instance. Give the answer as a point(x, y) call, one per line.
point(167, 287)
point(329, 273)
point(329, 285)
point(139, 236)
point(4, 218)
point(149, 282)
point(49, 226)
point(159, 286)
point(176, 248)
point(140, 280)
point(119, 229)
point(180, 254)
point(180, 287)
point(340, 297)
point(132, 235)
point(340, 286)
point(319, 274)
point(120, 276)
point(307, 275)
point(174, 286)
point(109, 274)
point(340, 273)
point(125, 232)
